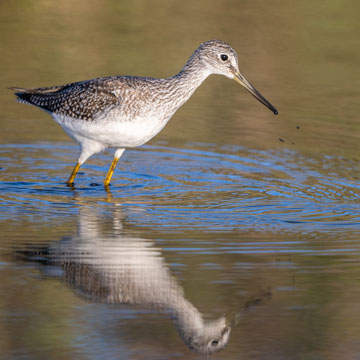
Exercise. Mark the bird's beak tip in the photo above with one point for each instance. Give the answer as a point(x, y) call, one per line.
point(239, 78)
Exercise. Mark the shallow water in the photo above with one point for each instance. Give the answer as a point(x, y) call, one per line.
point(233, 225)
point(215, 227)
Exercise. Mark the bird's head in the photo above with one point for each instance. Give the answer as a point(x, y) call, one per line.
point(220, 58)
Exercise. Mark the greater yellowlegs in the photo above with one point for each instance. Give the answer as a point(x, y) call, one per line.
point(127, 111)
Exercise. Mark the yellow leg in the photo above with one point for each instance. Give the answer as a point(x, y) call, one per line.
point(73, 174)
point(111, 171)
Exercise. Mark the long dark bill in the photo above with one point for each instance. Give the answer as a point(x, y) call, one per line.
point(242, 81)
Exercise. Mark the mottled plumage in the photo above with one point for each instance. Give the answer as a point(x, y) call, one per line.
point(127, 111)
point(82, 100)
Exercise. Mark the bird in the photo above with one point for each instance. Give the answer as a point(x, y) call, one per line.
point(124, 112)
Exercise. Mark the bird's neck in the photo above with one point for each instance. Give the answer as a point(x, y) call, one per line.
point(193, 73)
point(183, 84)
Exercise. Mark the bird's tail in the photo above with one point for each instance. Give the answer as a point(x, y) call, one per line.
point(18, 89)
point(23, 95)
point(34, 96)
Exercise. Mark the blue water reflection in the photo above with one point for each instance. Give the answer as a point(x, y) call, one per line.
point(192, 187)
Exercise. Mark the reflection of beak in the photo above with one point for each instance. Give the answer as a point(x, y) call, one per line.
point(242, 81)
point(232, 319)
point(225, 330)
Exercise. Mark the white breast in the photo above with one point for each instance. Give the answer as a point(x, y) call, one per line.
point(113, 131)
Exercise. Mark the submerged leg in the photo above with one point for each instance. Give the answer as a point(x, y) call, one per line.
point(116, 158)
point(86, 151)
point(73, 174)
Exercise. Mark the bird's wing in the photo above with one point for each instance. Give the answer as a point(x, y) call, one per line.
point(82, 100)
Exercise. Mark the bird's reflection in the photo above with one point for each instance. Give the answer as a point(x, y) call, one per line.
point(121, 269)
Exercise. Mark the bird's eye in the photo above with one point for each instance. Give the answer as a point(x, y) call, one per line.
point(214, 343)
point(224, 57)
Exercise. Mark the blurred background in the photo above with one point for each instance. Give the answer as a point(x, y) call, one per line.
point(235, 199)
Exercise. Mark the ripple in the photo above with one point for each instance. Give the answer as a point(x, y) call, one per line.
point(199, 186)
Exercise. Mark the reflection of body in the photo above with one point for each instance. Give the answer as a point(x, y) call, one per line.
point(131, 271)
point(128, 270)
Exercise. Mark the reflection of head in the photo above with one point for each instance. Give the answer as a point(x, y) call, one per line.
point(211, 337)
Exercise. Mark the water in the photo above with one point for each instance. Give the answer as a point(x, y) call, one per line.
point(233, 225)
point(213, 226)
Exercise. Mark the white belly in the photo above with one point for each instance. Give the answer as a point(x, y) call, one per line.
point(111, 133)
